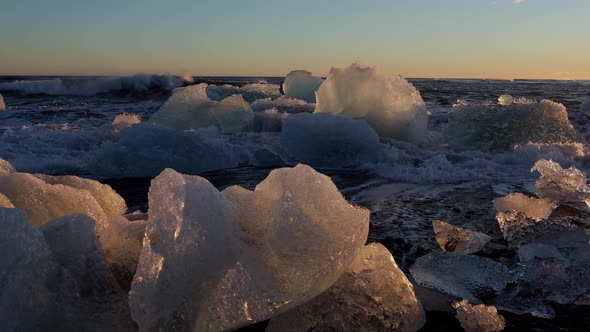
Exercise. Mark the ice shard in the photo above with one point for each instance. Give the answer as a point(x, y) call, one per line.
point(458, 239)
point(479, 318)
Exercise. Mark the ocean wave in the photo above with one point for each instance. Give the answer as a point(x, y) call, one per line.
point(96, 85)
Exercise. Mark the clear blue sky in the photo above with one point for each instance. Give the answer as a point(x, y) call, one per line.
point(417, 38)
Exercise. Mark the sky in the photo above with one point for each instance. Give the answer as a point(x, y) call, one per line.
point(415, 38)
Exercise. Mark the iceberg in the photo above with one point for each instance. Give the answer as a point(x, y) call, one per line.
point(329, 140)
point(457, 239)
point(190, 108)
point(498, 127)
point(372, 294)
point(215, 261)
point(301, 84)
point(479, 278)
point(391, 105)
point(479, 318)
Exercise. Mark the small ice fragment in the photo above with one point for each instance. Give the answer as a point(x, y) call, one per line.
point(301, 84)
point(479, 318)
point(125, 120)
point(505, 100)
point(457, 239)
point(2, 104)
point(480, 278)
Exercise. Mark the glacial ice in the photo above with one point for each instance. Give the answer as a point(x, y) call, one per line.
point(73, 242)
point(457, 239)
point(498, 127)
point(283, 104)
point(565, 186)
point(190, 108)
point(329, 140)
point(556, 267)
point(122, 242)
point(250, 92)
point(125, 120)
point(534, 208)
point(34, 287)
point(301, 84)
point(217, 261)
point(269, 120)
point(479, 318)
point(46, 197)
point(373, 294)
point(479, 278)
point(2, 104)
point(391, 105)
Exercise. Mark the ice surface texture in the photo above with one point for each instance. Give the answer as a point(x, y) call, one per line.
point(46, 197)
point(329, 140)
point(464, 276)
point(458, 239)
point(301, 84)
point(391, 105)
point(216, 261)
point(373, 294)
point(479, 318)
point(497, 127)
point(190, 108)
point(566, 186)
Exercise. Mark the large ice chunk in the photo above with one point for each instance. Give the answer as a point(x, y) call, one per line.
point(190, 108)
point(301, 84)
point(479, 318)
point(73, 241)
point(33, 288)
point(214, 261)
point(46, 197)
point(566, 186)
point(479, 278)
point(373, 294)
point(497, 127)
point(391, 105)
point(458, 239)
point(329, 140)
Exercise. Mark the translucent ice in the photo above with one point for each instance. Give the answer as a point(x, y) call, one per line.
point(479, 318)
point(497, 127)
point(457, 239)
point(46, 197)
point(329, 140)
point(391, 105)
point(565, 186)
point(125, 120)
point(283, 104)
point(464, 276)
point(34, 288)
point(190, 108)
point(373, 294)
point(534, 208)
point(217, 261)
point(301, 84)
point(73, 241)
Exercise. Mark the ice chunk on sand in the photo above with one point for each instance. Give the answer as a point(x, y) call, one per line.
point(125, 120)
point(372, 294)
point(301, 84)
point(457, 239)
point(557, 267)
point(122, 242)
point(391, 105)
point(329, 140)
point(565, 186)
point(46, 197)
point(497, 127)
point(479, 278)
point(479, 318)
point(214, 261)
point(34, 288)
point(534, 208)
point(190, 108)
point(73, 241)
point(2, 104)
